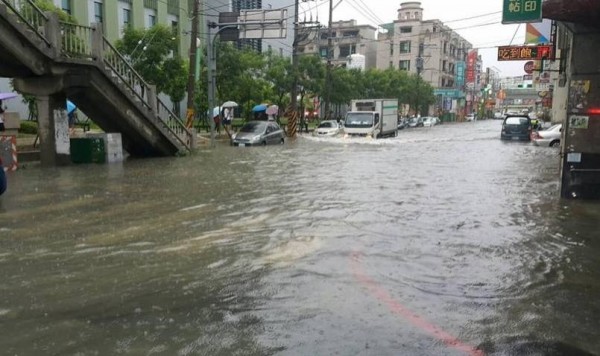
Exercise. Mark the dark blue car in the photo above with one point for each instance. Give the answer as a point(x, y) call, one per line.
point(516, 127)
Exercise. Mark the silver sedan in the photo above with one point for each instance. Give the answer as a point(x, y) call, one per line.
point(258, 133)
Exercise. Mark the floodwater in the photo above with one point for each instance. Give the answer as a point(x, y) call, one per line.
point(441, 241)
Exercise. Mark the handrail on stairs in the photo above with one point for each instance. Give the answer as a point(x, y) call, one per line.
point(78, 44)
point(31, 15)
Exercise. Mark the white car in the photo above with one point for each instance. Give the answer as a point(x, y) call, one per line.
point(470, 117)
point(549, 137)
point(428, 121)
point(328, 128)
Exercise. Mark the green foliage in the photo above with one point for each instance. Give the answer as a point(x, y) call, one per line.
point(47, 5)
point(150, 54)
point(29, 127)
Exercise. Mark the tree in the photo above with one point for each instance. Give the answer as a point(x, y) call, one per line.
point(149, 52)
point(279, 75)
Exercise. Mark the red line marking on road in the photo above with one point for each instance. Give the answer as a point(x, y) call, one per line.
point(384, 296)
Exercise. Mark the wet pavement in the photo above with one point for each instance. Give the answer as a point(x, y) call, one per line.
point(442, 241)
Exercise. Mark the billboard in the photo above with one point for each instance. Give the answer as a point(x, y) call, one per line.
point(524, 53)
point(538, 33)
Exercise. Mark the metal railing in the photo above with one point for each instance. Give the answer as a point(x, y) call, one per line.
point(76, 40)
point(29, 14)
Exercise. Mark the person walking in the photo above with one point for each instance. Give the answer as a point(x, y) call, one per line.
point(2, 128)
point(227, 120)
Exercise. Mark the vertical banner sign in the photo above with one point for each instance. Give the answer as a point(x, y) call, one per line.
point(471, 63)
point(460, 74)
point(520, 11)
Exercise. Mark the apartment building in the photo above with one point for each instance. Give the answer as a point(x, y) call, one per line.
point(281, 46)
point(116, 15)
point(410, 37)
point(347, 38)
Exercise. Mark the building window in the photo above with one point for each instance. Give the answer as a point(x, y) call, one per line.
point(406, 29)
point(323, 52)
point(405, 47)
point(345, 51)
point(98, 10)
point(126, 18)
point(66, 6)
point(404, 65)
point(391, 48)
point(151, 20)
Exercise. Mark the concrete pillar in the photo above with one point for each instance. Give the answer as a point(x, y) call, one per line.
point(53, 130)
point(152, 100)
point(580, 143)
point(53, 33)
point(98, 44)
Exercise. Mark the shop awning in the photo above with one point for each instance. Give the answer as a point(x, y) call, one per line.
point(585, 12)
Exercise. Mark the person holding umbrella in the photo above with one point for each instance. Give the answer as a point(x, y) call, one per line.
point(228, 115)
point(2, 128)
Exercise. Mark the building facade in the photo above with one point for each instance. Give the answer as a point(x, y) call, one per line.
point(347, 38)
point(281, 46)
point(410, 37)
point(116, 15)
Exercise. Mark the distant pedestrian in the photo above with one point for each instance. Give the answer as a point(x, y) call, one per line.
point(227, 120)
point(2, 128)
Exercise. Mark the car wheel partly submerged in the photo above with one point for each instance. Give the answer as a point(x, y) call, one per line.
point(555, 143)
point(264, 143)
point(282, 141)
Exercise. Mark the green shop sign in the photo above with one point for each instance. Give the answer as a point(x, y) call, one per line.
point(519, 11)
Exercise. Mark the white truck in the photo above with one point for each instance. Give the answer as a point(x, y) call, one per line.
point(372, 118)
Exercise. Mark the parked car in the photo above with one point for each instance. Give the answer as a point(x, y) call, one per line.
point(428, 121)
point(516, 127)
point(549, 137)
point(470, 117)
point(402, 123)
point(498, 115)
point(258, 133)
point(328, 128)
point(415, 122)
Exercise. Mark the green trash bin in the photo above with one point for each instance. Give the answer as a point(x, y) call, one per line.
point(88, 150)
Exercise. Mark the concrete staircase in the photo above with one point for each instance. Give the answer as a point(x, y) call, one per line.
point(57, 60)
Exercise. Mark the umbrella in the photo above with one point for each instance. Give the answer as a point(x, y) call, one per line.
point(216, 111)
point(70, 107)
point(260, 107)
point(230, 104)
point(273, 110)
point(4, 96)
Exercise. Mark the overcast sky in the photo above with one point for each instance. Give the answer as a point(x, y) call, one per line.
point(478, 21)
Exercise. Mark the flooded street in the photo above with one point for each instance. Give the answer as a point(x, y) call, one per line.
point(441, 241)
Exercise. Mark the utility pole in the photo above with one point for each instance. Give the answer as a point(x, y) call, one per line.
point(191, 86)
point(294, 99)
point(419, 70)
point(329, 55)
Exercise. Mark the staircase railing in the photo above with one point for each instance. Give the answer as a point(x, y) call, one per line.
point(30, 14)
point(77, 44)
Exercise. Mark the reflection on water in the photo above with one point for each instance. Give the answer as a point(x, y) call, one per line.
point(461, 238)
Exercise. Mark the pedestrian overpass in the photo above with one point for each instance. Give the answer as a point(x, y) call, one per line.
point(55, 60)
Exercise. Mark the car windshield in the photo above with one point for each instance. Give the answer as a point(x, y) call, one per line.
point(359, 120)
point(516, 121)
point(326, 124)
point(253, 127)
